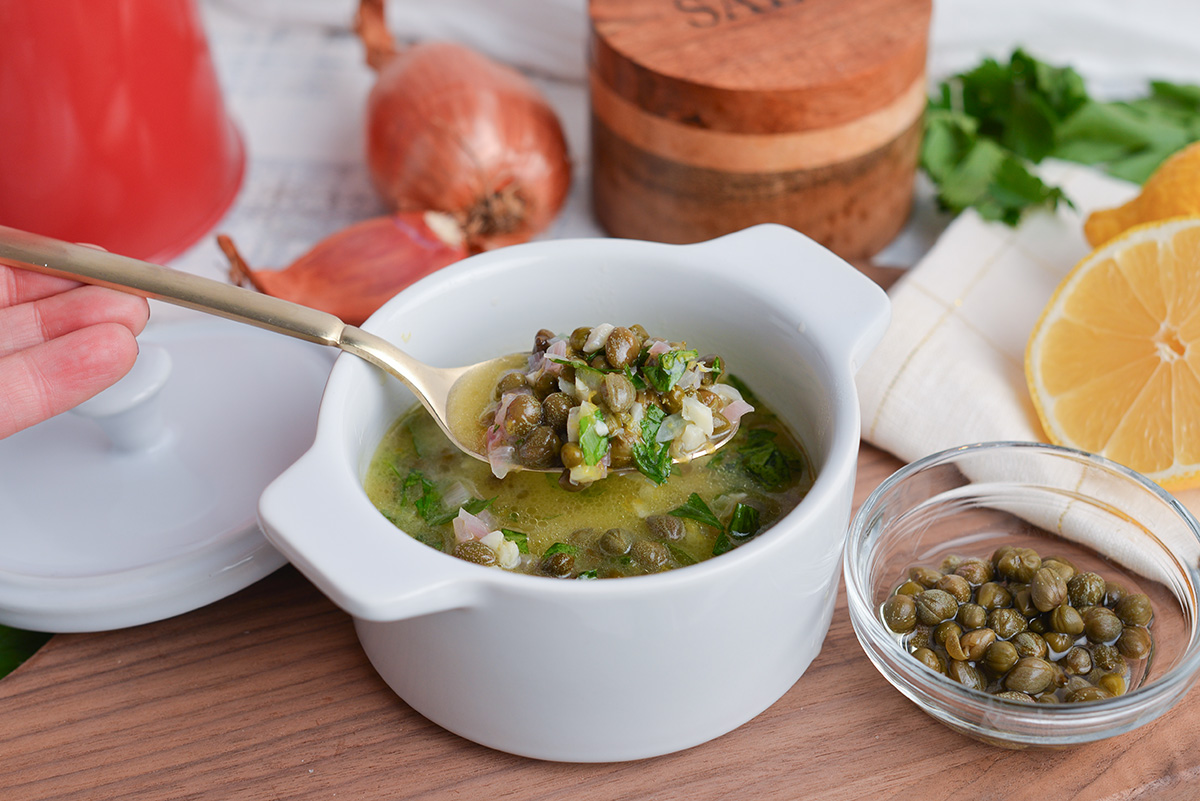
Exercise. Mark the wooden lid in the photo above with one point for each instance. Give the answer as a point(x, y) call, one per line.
point(759, 66)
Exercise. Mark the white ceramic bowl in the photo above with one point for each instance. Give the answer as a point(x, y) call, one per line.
point(623, 668)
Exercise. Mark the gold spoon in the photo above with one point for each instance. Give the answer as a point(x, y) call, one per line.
point(438, 388)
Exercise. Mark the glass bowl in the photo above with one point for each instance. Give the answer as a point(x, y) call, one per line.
point(1102, 517)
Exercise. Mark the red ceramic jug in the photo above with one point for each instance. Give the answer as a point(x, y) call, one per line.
point(113, 130)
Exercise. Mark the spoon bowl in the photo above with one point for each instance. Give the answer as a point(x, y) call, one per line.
point(437, 388)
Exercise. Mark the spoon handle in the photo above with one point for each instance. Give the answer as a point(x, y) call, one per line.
point(42, 254)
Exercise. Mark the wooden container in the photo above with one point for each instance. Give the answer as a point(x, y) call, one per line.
point(712, 115)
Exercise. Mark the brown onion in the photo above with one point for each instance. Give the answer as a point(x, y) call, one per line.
point(450, 130)
point(356, 270)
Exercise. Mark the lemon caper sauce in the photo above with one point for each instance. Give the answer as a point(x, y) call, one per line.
point(628, 524)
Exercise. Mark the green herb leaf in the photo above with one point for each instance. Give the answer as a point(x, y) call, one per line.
point(587, 575)
point(652, 458)
point(696, 509)
point(593, 444)
point(560, 547)
point(443, 516)
point(420, 492)
point(519, 537)
point(17, 645)
point(762, 458)
point(722, 545)
point(670, 368)
point(744, 521)
point(634, 378)
point(681, 556)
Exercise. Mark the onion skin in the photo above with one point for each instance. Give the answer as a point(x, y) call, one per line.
point(353, 272)
point(450, 130)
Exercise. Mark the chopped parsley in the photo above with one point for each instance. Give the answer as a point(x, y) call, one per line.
point(519, 537)
point(560, 547)
point(744, 521)
point(653, 458)
point(670, 368)
point(696, 509)
point(763, 459)
point(425, 498)
point(593, 444)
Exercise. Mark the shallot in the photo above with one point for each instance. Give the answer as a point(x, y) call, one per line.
point(450, 130)
point(356, 270)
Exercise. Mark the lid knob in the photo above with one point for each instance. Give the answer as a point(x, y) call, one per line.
point(129, 412)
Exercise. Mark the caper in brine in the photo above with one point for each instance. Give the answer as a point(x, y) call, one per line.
point(510, 382)
point(920, 638)
point(945, 631)
point(951, 563)
point(539, 448)
point(910, 587)
point(991, 595)
point(1112, 683)
point(927, 577)
point(1078, 661)
point(1060, 565)
point(1000, 657)
point(557, 565)
point(930, 659)
point(1134, 642)
point(622, 346)
point(1085, 589)
point(1067, 620)
point(1013, 695)
point(975, 643)
point(954, 648)
point(524, 413)
point(1134, 609)
point(666, 527)
point(617, 541)
point(1107, 657)
point(1030, 675)
point(1023, 602)
point(476, 552)
point(617, 392)
point(1089, 693)
point(1038, 624)
point(957, 586)
point(1007, 622)
point(652, 556)
point(1019, 564)
point(965, 674)
point(899, 612)
point(1047, 698)
point(1028, 643)
point(1058, 642)
point(556, 408)
point(999, 554)
point(976, 571)
point(1101, 624)
point(579, 338)
point(1075, 683)
point(934, 606)
point(1113, 593)
point(1048, 589)
point(971, 616)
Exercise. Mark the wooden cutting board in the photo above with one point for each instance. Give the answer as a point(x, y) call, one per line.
point(712, 115)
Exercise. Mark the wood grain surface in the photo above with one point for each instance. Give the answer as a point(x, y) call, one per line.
point(266, 695)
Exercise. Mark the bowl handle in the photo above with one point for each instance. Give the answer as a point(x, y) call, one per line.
point(326, 539)
point(849, 315)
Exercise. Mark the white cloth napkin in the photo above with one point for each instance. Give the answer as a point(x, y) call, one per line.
point(950, 369)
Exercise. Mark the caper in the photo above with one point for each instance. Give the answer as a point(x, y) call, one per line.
point(1067, 620)
point(556, 408)
point(510, 382)
point(956, 586)
point(976, 571)
point(1007, 622)
point(1112, 683)
point(1038, 624)
point(541, 340)
point(1000, 657)
point(934, 606)
point(920, 638)
point(930, 659)
point(620, 450)
point(951, 563)
point(1058, 642)
point(1029, 644)
point(539, 448)
point(927, 577)
point(1048, 589)
point(1018, 564)
point(1085, 589)
point(1134, 642)
point(1134, 609)
point(571, 455)
point(1089, 693)
point(1107, 657)
point(476, 552)
point(910, 587)
point(1047, 698)
point(954, 647)
point(1113, 593)
point(991, 595)
point(557, 565)
point(1060, 565)
point(524, 413)
point(947, 630)
point(1074, 683)
point(1013, 695)
point(616, 542)
point(1023, 602)
point(1101, 625)
point(617, 392)
point(1030, 675)
point(579, 338)
point(971, 616)
point(666, 527)
point(900, 613)
point(965, 674)
point(621, 348)
point(545, 385)
point(976, 642)
point(1078, 661)
point(652, 556)
point(999, 554)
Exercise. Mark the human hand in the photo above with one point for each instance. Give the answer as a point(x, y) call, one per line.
point(60, 343)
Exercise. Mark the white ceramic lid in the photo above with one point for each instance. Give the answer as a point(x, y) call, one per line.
point(141, 503)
